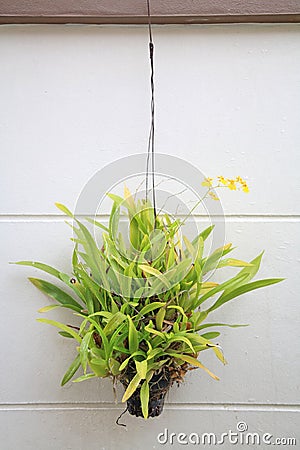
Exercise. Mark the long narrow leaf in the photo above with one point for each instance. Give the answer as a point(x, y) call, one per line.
point(114, 322)
point(54, 292)
point(71, 370)
point(242, 290)
point(132, 387)
point(63, 327)
point(132, 336)
point(41, 266)
point(144, 394)
point(193, 362)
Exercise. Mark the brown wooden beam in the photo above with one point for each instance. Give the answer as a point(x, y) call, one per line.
point(162, 11)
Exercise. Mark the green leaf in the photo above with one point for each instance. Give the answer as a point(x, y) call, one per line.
point(98, 224)
point(150, 328)
point(134, 233)
point(93, 254)
point(190, 248)
point(250, 272)
point(54, 292)
point(61, 326)
point(198, 317)
point(48, 308)
point(132, 387)
point(193, 362)
point(144, 394)
point(182, 339)
point(233, 263)
point(213, 260)
point(207, 325)
point(212, 335)
point(132, 336)
point(150, 307)
point(114, 366)
point(99, 367)
point(108, 315)
point(114, 322)
point(64, 209)
point(141, 368)
point(233, 282)
point(219, 354)
point(204, 234)
point(115, 198)
point(65, 334)
point(156, 273)
point(71, 370)
point(225, 297)
point(114, 214)
point(126, 361)
point(102, 335)
point(179, 308)
point(84, 377)
point(94, 287)
point(159, 319)
point(84, 350)
point(56, 273)
point(40, 266)
point(154, 352)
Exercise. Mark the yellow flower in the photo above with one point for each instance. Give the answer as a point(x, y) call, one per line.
point(231, 184)
point(213, 195)
point(207, 182)
point(243, 184)
point(245, 187)
point(239, 180)
point(222, 180)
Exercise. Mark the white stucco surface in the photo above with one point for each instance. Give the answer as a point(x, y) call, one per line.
point(75, 98)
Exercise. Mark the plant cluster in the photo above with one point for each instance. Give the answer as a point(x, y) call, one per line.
point(144, 305)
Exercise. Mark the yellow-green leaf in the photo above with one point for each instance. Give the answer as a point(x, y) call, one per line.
point(132, 336)
point(132, 387)
point(193, 362)
point(156, 273)
point(159, 319)
point(144, 394)
point(63, 327)
point(234, 263)
point(71, 370)
point(114, 322)
point(84, 377)
point(48, 308)
point(56, 293)
point(99, 367)
point(64, 209)
point(141, 368)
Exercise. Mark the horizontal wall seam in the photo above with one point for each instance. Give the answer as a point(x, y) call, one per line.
point(171, 406)
point(14, 218)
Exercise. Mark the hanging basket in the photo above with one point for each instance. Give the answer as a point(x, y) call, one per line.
point(159, 386)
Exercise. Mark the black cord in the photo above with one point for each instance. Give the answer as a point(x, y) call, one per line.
point(151, 149)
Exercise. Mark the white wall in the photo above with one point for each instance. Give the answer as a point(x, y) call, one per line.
point(74, 98)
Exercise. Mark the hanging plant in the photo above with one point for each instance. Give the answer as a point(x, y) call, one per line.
point(145, 306)
point(145, 319)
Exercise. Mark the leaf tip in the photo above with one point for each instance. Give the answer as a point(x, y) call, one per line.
point(32, 280)
point(64, 209)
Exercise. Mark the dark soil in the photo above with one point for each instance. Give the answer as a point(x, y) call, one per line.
point(159, 385)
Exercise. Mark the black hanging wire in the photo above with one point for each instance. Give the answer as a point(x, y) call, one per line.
point(152, 129)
